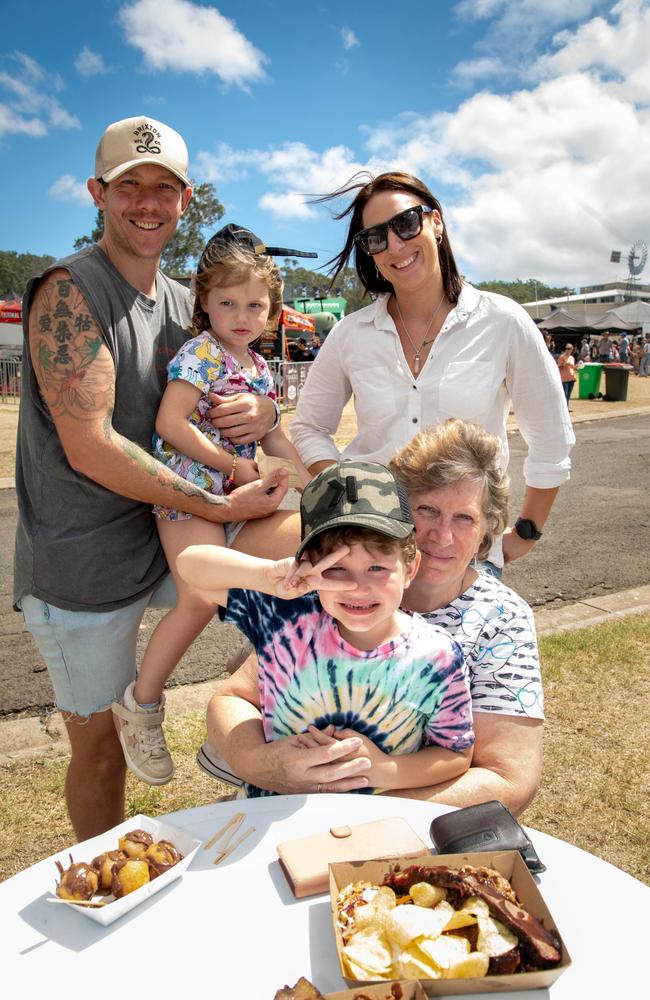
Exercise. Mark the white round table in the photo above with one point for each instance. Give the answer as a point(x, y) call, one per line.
point(235, 930)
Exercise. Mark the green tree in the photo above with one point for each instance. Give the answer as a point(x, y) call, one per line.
point(300, 283)
point(522, 291)
point(17, 268)
point(188, 241)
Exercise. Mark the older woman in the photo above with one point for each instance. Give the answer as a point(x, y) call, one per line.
point(428, 348)
point(459, 497)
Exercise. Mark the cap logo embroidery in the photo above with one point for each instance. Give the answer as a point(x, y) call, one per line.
point(352, 489)
point(149, 139)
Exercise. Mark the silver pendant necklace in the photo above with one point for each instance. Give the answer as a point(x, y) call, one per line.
point(425, 342)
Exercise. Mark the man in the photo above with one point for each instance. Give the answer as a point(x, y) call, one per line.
point(100, 327)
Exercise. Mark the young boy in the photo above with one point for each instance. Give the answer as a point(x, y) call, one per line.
point(334, 649)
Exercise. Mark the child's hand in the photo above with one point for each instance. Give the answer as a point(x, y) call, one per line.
point(306, 576)
point(377, 775)
point(246, 471)
point(286, 578)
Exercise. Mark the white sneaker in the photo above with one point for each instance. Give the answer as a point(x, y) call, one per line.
point(210, 761)
point(142, 738)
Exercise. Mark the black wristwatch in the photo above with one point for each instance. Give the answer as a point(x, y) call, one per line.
point(527, 529)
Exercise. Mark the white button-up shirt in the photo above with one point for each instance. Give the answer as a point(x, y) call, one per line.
point(487, 354)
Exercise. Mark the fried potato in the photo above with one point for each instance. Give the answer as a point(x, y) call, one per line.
point(424, 894)
point(369, 951)
point(445, 951)
point(374, 913)
point(406, 923)
point(412, 963)
point(473, 966)
point(494, 938)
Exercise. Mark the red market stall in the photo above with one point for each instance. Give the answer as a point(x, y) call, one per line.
point(11, 311)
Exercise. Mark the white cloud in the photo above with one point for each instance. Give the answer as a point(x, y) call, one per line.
point(618, 50)
point(30, 106)
point(187, 37)
point(514, 32)
point(290, 205)
point(541, 182)
point(89, 63)
point(350, 40)
point(470, 70)
point(295, 171)
point(68, 188)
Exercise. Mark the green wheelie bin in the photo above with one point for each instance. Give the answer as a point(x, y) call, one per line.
point(589, 380)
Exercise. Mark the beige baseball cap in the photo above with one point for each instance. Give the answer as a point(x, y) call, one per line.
point(133, 141)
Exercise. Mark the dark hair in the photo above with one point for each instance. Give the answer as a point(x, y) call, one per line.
point(365, 185)
point(347, 534)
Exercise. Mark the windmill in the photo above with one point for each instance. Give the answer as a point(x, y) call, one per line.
point(637, 258)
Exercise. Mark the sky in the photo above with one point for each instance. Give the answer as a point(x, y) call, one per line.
point(528, 119)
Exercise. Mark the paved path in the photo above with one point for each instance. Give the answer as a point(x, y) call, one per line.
point(32, 737)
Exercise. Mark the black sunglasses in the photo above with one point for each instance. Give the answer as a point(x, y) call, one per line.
point(406, 225)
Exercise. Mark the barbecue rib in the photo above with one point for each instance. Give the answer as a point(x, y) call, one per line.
point(540, 948)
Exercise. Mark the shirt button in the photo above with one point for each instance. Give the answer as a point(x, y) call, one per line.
point(415, 420)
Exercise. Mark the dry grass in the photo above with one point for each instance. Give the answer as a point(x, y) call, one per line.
point(594, 789)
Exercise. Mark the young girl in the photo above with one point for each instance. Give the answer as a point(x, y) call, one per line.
point(238, 295)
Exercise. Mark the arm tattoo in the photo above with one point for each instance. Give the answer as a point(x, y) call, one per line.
point(74, 368)
point(165, 476)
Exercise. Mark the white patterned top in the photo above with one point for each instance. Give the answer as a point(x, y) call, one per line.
point(496, 631)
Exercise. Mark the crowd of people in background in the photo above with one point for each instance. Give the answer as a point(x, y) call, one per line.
point(605, 349)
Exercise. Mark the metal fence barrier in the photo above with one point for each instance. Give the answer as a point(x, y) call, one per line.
point(9, 380)
point(289, 378)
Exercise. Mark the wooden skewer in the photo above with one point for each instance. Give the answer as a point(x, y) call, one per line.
point(234, 822)
point(223, 854)
point(78, 902)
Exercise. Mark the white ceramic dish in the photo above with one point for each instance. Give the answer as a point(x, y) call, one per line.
point(90, 849)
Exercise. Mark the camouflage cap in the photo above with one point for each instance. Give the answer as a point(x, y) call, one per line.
point(362, 494)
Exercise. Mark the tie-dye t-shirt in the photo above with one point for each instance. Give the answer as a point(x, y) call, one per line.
point(410, 692)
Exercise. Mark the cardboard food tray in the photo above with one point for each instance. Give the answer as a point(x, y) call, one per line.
point(508, 863)
point(410, 991)
point(88, 850)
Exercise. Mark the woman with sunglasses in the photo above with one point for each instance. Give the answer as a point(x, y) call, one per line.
point(430, 347)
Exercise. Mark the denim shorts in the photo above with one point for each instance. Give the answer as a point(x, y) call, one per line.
point(91, 655)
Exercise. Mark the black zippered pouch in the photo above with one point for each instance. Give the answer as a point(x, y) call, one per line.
point(489, 826)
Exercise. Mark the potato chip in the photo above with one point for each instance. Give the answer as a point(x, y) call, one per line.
point(373, 914)
point(369, 950)
point(424, 894)
point(412, 963)
point(446, 950)
point(478, 907)
point(353, 971)
point(473, 966)
point(405, 923)
point(461, 918)
point(494, 938)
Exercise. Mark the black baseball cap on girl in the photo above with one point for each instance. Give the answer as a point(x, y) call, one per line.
point(235, 235)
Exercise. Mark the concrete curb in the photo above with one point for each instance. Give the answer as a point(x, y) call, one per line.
point(33, 737)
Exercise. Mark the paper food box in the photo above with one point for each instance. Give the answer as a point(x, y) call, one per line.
point(509, 864)
point(383, 991)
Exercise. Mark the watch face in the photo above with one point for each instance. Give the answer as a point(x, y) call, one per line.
point(527, 529)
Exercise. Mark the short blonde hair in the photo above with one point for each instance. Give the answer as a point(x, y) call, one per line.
point(229, 264)
point(451, 453)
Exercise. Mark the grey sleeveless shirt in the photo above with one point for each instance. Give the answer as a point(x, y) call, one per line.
point(78, 545)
